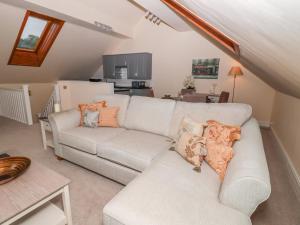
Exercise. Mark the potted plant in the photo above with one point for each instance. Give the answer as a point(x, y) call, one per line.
point(189, 85)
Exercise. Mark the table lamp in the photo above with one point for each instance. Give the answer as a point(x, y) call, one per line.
point(235, 71)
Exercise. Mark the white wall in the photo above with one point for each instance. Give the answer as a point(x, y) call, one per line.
point(172, 60)
point(286, 125)
point(73, 93)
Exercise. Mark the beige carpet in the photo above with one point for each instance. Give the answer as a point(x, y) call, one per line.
point(90, 192)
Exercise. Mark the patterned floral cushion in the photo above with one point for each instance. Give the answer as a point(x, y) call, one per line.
point(189, 125)
point(221, 133)
point(219, 141)
point(92, 107)
point(90, 118)
point(192, 148)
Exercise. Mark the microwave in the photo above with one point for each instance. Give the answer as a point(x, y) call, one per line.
point(121, 72)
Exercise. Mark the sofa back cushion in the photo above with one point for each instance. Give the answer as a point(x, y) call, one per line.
point(150, 114)
point(120, 101)
point(229, 113)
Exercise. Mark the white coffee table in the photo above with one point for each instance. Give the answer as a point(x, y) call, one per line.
point(27, 198)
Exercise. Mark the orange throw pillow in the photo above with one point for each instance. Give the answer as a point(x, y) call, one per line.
point(219, 141)
point(92, 107)
point(221, 133)
point(218, 157)
point(108, 117)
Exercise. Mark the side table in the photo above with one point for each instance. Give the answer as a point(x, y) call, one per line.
point(46, 132)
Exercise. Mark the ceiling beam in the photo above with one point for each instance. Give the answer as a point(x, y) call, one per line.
point(203, 25)
point(78, 13)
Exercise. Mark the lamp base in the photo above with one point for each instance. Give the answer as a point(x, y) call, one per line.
point(232, 99)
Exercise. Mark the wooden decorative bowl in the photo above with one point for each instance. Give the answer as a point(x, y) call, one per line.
point(12, 167)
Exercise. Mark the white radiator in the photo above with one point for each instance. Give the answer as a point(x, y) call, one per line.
point(15, 104)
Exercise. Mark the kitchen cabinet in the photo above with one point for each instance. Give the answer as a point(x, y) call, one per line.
point(109, 66)
point(132, 60)
point(139, 65)
point(120, 60)
point(147, 66)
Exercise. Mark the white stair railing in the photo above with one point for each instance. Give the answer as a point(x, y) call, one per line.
point(15, 104)
point(49, 107)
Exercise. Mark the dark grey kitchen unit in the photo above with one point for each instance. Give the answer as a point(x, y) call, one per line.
point(139, 65)
point(109, 67)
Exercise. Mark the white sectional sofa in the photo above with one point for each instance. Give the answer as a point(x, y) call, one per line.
point(163, 189)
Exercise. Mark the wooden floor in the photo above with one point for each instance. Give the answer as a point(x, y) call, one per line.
point(87, 201)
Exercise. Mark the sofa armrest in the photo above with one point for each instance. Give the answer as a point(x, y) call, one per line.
point(63, 121)
point(247, 181)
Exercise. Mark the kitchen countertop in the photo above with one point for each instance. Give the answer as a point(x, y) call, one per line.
point(129, 87)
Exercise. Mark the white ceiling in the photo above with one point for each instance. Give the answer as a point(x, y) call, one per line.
point(268, 32)
point(122, 10)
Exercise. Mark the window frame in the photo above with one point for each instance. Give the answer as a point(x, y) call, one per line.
point(35, 57)
point(40, 39)
point(203, 25)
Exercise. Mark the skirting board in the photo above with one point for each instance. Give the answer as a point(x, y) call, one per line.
point(293, 174)
point(264, 124)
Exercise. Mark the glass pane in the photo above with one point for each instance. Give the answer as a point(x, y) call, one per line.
point(32, 33)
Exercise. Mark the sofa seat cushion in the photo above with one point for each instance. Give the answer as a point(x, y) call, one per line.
point(86, 139)
point(134, 149)
point(169, 192)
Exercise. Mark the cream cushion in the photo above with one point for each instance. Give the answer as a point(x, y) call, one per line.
point(189, 125)
point(133, 149)
point(86, 139)
point(121, 101)
point(228, 113)
point(192, 148)
point(150, 114)
point(169, 192)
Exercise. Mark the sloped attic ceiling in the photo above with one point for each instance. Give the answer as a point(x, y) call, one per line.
point(268, 32)
point(77, 51)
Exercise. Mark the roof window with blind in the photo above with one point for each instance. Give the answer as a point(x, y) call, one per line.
point(36, 36)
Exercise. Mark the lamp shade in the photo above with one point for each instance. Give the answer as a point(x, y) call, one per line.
point(235, 71)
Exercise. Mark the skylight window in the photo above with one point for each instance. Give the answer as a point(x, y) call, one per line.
point(32, 33)
point(36, 36)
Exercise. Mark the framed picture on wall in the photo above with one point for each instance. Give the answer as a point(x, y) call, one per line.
point(205, 68)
